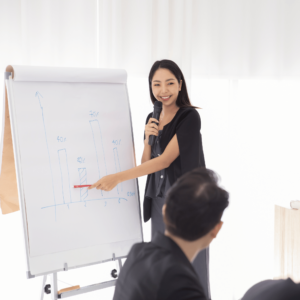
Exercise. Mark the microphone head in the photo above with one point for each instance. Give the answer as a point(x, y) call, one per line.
point(157, 104)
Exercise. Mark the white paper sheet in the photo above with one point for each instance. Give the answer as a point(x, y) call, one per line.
point(70, 134)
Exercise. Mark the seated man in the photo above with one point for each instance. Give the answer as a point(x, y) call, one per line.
point(274, 290)
point(162, 269)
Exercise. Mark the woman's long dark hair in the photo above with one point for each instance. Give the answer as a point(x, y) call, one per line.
point(183, 99)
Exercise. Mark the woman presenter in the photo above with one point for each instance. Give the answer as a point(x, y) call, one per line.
point(177, 149)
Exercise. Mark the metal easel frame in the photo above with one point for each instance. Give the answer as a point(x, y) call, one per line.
point(82, 290)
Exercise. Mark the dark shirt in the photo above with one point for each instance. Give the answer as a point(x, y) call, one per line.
point(158, 270)
point(274, 290)
point(186, 124)
point(159, 183)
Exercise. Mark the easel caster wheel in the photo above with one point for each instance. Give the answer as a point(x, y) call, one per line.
point(47, 289)
point(114, 273)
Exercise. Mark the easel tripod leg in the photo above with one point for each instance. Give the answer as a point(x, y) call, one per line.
point(120, 264)
point(43, 286)
point(54, 286)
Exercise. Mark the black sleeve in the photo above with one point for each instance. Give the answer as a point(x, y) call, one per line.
point(190, 141)
point(179, 285)
point(147, 120)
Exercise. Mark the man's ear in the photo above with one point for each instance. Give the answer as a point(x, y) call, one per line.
point(164, 210)
point(216, 229)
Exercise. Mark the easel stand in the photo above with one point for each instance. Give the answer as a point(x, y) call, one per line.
point(77, 290)
point(40, 91)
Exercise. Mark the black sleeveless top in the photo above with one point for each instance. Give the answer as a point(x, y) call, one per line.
point(186, 124)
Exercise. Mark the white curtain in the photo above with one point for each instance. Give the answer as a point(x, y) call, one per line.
point(206, 38)
point(242, 62)
point(235, 38)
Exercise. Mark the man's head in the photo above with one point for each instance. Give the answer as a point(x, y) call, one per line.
point(194, 206)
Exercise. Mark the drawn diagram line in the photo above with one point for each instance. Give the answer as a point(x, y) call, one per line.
point(65, 176)
point(118, 166)
point(75, 202)
point(38, 95)
point(99, 148)
point(95, 150)
point(83, 181)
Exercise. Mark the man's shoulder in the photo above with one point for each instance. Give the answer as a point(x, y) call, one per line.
point(169, 275)
point(152, 255)
point(145, 249)
point(157, 270)
point(180, 282)
point(146, 260)
point(179, 271)
point(142, 272)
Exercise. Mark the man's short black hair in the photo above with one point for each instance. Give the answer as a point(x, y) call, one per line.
point(195, 204)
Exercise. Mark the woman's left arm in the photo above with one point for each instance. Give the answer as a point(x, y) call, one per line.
point(171, 152)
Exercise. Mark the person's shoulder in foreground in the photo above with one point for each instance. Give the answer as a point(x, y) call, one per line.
point(158, 270)
point(274, 290)
point(162, 269)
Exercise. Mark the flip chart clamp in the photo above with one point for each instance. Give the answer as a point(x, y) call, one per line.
point(77, 290)
point(66, 267)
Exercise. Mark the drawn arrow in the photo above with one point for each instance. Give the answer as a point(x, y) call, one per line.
point(38, 95)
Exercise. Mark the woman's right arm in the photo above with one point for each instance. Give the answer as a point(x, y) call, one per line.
point(150, 129)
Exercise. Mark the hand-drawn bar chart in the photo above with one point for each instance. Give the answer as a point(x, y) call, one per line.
point(117, 166)
point(100, 165)
point(98, 143)
point(99, 148)
point(65, 176)
point(83, 181)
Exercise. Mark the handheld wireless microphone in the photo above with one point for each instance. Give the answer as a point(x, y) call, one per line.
point(156, 113)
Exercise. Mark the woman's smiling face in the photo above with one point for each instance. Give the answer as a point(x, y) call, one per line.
point(165, 86)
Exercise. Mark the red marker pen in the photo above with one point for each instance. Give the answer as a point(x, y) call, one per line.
point(81, 186)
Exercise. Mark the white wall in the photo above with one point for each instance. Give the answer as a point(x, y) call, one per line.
point(250, 136)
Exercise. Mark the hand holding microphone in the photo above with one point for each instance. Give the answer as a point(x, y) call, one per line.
point(151, 129)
